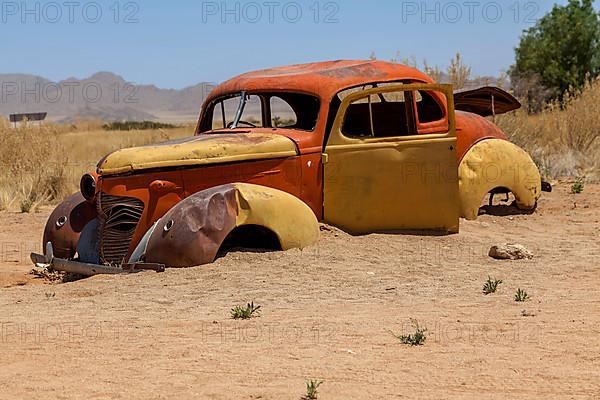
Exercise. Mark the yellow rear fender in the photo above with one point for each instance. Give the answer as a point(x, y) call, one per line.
point(193, 232)
point(497, 163)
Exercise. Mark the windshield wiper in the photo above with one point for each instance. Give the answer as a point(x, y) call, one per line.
point(240, 111)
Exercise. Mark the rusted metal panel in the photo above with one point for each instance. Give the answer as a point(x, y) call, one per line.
point(119, 218)
point(158, 198)
point(160, 190)
point(471, 129)
point(486, 101)
point(87, 269)
point(323, 79)
point(66, 224)
point(192, 232)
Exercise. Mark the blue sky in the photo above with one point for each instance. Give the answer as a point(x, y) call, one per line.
point(178, 43)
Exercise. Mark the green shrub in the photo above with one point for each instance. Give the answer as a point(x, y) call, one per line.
point(416, 339)
point(491, 285)
point(247, 312)
point(26, 206)
point(578, 186)
point(136, 125)
point(311, 390)
point(521, 296)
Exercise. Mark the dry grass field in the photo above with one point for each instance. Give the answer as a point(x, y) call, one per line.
point(43, 165)
point(564, 141)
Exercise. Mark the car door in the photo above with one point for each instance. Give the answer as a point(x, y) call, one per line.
point(389, 168)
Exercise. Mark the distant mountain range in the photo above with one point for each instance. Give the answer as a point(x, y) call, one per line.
point(109, 97)
point(103, 95)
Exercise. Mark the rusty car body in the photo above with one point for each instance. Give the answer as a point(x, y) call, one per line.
point(367, 146)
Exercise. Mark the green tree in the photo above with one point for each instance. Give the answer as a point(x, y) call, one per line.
point(561, 51)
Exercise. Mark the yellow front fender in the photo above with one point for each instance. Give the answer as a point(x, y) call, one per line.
point(193, 232)
point(497, 163)
point(288, 217)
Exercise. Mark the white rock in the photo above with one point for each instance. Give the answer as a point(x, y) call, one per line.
point(510, 251)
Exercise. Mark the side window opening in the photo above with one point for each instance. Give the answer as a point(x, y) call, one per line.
point(428, 108)
point(282, 114)
point(302, 111)
point(388, 114)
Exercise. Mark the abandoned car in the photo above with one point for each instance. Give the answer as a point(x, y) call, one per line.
point(366, 146)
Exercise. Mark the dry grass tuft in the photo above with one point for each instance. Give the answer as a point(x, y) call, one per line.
point(563, 141)
point(26, 175)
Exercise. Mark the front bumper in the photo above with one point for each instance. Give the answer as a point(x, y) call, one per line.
point(86, 269)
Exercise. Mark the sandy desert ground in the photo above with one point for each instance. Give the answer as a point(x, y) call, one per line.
point(327, 313)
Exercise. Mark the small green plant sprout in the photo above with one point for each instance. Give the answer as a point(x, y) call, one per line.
point(578, 186)
point(416, 339)
point(491, 285)
point(311, 389)
point(247, 312)
point(521, 296)
point(26, 206)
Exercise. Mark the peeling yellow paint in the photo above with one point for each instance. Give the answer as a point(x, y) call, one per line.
point(199, 150)
point(496, 163)
point(288, 217)
point(405, 183)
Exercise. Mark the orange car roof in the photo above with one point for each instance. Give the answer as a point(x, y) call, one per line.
point(323, 79)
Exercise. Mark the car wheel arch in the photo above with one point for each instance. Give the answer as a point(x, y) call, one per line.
point(492, 164)
point(193, 232)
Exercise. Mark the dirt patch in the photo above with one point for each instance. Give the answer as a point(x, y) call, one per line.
point(20, 235)
point(327, 313)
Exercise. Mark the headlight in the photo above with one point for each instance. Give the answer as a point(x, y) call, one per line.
point(88, 187)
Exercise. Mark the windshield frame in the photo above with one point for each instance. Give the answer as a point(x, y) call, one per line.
point(205, 123)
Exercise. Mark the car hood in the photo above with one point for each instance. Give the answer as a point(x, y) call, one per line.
point(199, 150)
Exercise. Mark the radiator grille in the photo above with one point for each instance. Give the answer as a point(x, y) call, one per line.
point(119, 217)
